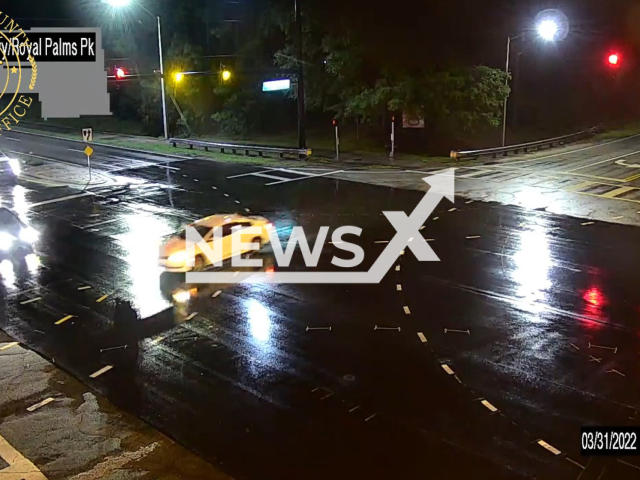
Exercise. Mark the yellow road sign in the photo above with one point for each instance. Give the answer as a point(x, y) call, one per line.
point(88, 151)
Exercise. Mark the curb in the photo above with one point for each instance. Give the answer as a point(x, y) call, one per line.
point(148, 152)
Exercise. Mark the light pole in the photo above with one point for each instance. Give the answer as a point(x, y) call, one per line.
point(302, 140)
point(124, 3)
point(549, 29)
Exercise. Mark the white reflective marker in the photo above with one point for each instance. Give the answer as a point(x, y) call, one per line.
point(422, 338)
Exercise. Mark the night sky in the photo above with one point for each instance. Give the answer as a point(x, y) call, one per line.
point(437, 33)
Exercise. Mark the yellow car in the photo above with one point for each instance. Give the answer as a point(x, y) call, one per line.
point(173, 254)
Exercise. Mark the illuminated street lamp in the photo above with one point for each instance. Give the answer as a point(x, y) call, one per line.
point(548, 29)
point(226, 75)
point(551, 25)
point(178, 76)
point(123, 4)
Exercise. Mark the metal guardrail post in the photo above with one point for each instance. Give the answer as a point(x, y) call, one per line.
point(260, 150)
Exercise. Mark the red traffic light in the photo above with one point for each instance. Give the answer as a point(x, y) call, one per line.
point(120, 73)
point(614, 59)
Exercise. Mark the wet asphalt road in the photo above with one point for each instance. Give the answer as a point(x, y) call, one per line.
point(536, 315)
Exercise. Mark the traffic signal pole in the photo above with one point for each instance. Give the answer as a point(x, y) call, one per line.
point(302, 140)
point(164, 100)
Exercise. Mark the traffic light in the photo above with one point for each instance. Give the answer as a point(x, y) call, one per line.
point(613, 59)
point(120, 73)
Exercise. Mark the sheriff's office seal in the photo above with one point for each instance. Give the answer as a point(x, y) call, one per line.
point(14, 45)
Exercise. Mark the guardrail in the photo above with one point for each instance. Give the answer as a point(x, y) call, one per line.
point(525, 147)
point(300, 153)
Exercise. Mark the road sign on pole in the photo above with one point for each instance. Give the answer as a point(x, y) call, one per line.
point(88, 151)
point(87, 134)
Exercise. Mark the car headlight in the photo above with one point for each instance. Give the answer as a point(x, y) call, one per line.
point(182, 296)
point(15, 166)
point(6, 241)
point(29, 235)
point(178, 257)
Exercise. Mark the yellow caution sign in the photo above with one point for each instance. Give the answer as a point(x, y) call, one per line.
point(88, 151)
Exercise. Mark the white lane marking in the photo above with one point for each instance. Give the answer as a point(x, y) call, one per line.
point(266, 175)
point(215, 188)
point(468, 202)
point(370, 417)
point(411, 239)
point(430, 239)
point(422, 338)
point(604, 161)
point(381, 241)
point(216, 294)
point(376, 327)
point(236, 273)
point(61, 199)
point(594, 359)
point(472, 174)
point(101, 371)
point(238, 201)
point(613, 370)
point(13, 139)
point(406, 310)
point(247, 210)
point(9, 345)
point(446, 330)
point(402, 252)
point(618, 217)
point(489, 406)
point(317, 328)
point(551, 448)
point(191, 316)
point(576, 463)
point(226, 194)
point(422, 227)
point(575, 346)
point(305, 178)
point(196, 180)
point(447, 369)
point(85, 287)
point(98, 224)
point(397, 268)
point(629, 464)
point(399, 287)
point(574, 151)
point(435, 218)
point(40, 404)
point(615, 349)
point(354, 408)
point(247, 174)
point(584, 224)
point(156, 340)
point(37, 299)
point(472, 237)
point(452, 209)
point(19, 468)
point(74, 150)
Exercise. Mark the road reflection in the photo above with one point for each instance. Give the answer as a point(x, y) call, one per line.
point(532, 265)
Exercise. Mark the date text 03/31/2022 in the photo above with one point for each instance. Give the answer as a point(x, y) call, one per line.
point(610, 440)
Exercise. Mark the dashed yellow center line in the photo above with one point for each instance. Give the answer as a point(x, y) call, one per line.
point(64, 319)
point(102, 298)
point(617, 191)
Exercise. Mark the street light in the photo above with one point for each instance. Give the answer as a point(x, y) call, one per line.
point(548, 29)
point(226, 75)
point(125, 3)
point(178, 76)
point(551, 25)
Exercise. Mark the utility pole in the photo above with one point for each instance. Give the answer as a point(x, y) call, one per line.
point(302, 140)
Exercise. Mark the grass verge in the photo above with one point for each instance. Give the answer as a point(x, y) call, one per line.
point(626, 131)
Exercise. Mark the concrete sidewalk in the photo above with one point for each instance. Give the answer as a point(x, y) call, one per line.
point(54, 428)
